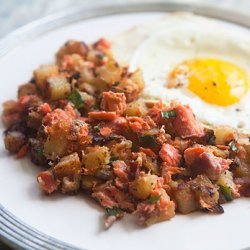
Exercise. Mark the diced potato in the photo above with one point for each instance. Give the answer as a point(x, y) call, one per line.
point(10, 107)
point(206, 193)
point(130, 88)
point(34, 119)
point(68, 166)
point(142, 187)
point(122, 150)
point(166, 211)
point(86, 87)
point(72, 62)
point(44, 72)
point(13, 141)
point(87, 75)
point(226, 179)
point(224, 134)
point(137, 78)
point(55, 147)
point(185, 198)
point(110, 72)
point(89, 82)
point(88, 182)
point(71, 47)
point(136, 108)
point(244, 146)
point(96, 57)
point(106, 173)
point(26, 89)
point(96, 158)
point(151, 164)
point(242, 170)
point(70, 185)
point(57, 87)
point(88, 100)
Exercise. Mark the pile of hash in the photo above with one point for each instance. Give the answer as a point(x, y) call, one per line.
point(86, 121)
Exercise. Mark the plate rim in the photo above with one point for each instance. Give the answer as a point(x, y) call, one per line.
point(13, 231)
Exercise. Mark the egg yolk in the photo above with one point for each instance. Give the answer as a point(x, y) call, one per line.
point(213, 80)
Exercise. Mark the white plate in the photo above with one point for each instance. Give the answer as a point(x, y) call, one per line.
point(76, 219)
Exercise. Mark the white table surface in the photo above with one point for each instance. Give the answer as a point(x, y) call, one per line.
point(15, 13)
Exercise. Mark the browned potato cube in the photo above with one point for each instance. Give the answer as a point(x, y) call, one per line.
point(72, 62)
point(224, 134)
point(142, 187)
point(14, 141)
point(110, 72)
point(166, 212)
point(69, 166)
point(10, 107)
point(185, 198)
point(71, 47)
point(57, 87)
point(88, 182)
point(34, 119)
point(55, 147)
point(206, 193)
point(96, 57)
point(96, 158)
point(137, 78)
point(70, 185)
point(26, 89)
point(151, 164)
point(88, 100)
point(136, 108)
point(42, 73)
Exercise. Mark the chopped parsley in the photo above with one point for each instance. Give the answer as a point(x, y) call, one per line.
point(226, 191)
point(233, 146)
point(113, 158)
point(115, 84)
point(148, 140)
point(76, 98)
point(168, 114)
point(96, 128)
point(153, 199)
point(99, 56)
point(114, 211)
point(39, 150)
point(211, 137)
point(135, 147)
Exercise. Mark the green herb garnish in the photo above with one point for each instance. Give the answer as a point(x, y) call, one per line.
point(113, 211)
point(99, 56)
point(226, 191)
point(96, 128)
point(76, 98)
point(233, 146)
point(153, 199)
point(135, 147)
point(115, 84)
point(113, 158)
point(168, 114)
point(211, 137)
point(39, 150)
point(148, 140)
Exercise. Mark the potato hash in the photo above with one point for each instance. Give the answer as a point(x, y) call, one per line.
point(84, 119)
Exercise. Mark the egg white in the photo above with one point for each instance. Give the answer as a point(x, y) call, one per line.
point(159, 46)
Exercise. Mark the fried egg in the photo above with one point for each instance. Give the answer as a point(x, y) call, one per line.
point(195, 60)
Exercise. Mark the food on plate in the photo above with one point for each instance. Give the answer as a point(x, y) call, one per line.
point(87, 119)
point(195, 60)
